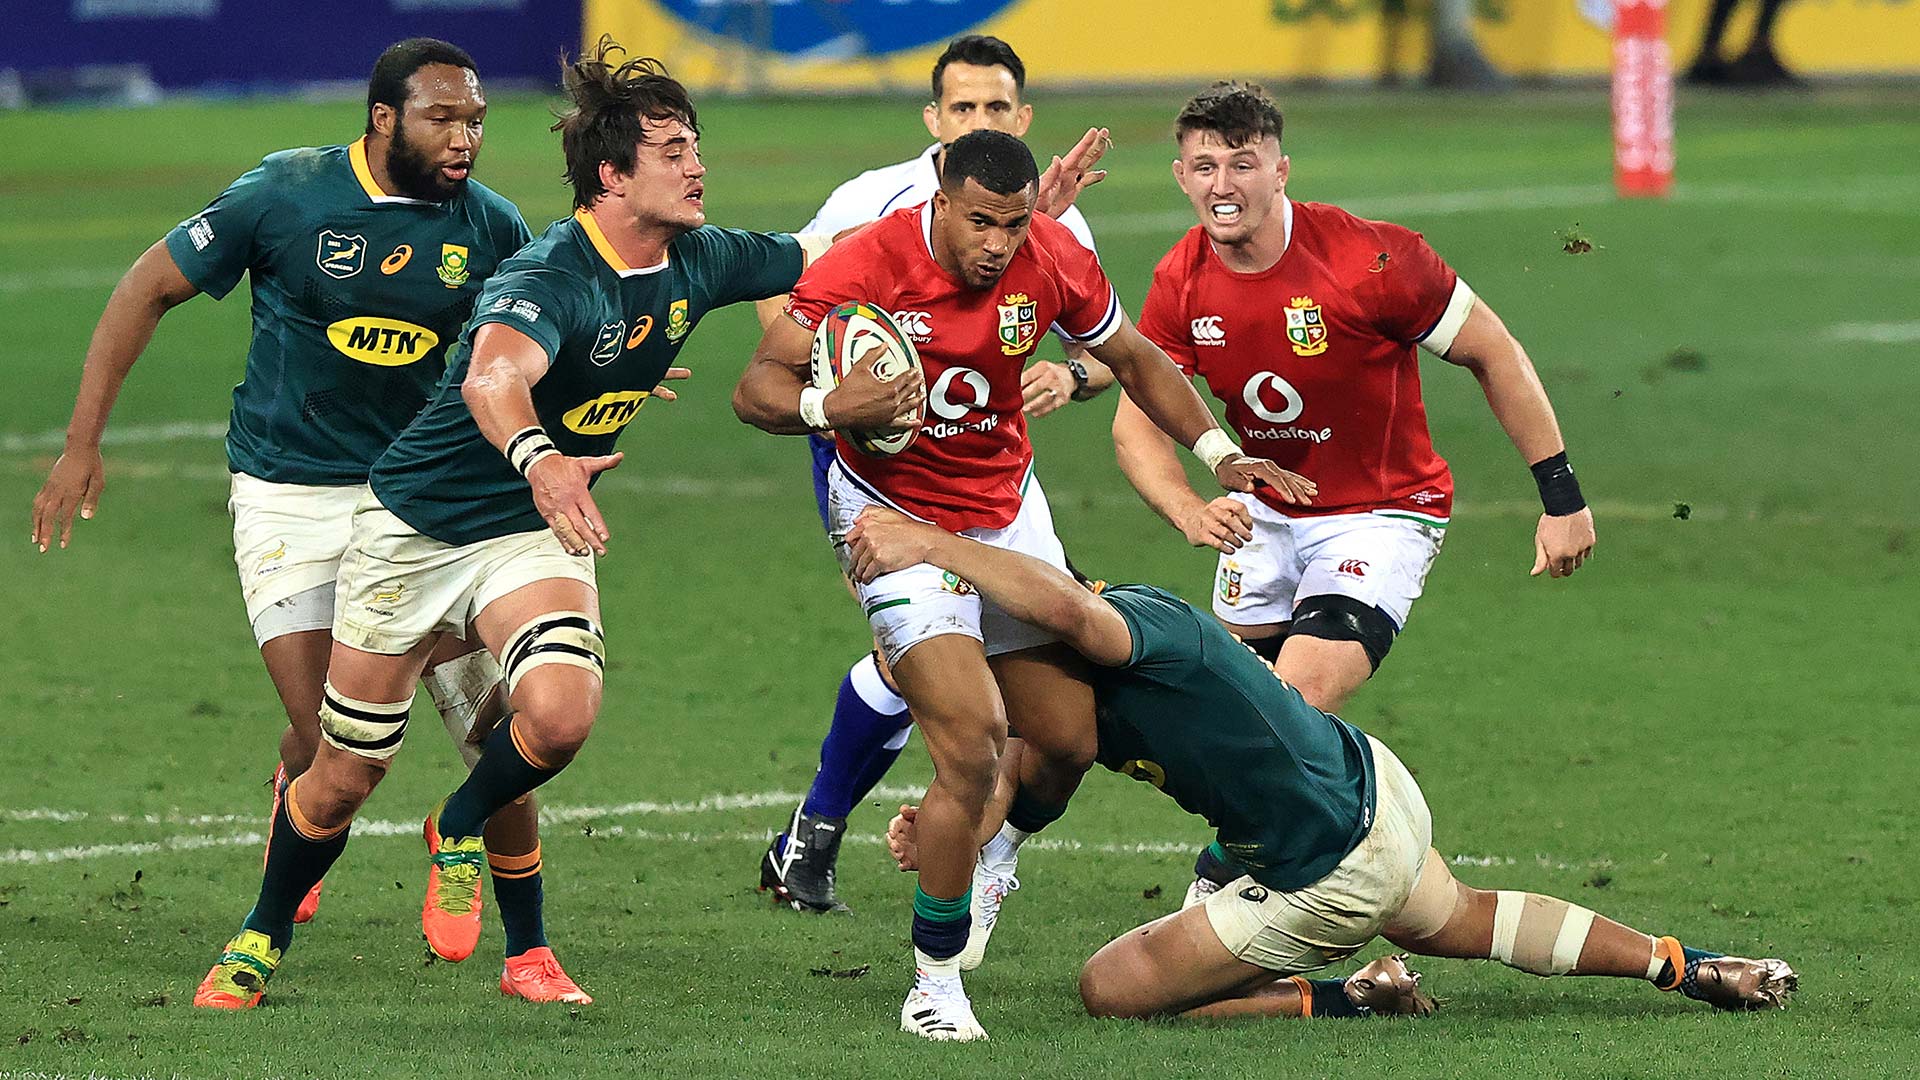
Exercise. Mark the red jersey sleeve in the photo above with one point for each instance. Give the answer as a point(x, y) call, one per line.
point(1163, 319)
point(1089, 308)
point(1413, 286)
point(833, 279)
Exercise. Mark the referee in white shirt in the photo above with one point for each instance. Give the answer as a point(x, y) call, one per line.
point(977, 83)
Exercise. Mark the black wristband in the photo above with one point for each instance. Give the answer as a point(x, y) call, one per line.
point(1559, 491)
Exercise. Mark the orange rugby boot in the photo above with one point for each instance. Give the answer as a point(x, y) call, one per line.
point(536, 975)
point(450, 918)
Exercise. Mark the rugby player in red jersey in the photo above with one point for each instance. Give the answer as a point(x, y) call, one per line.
point(991, 277)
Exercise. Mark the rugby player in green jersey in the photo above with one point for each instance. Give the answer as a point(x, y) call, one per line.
point(364, 260)
point(479, 520)
point(1332, 834)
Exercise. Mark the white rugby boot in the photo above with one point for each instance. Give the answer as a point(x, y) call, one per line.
point(991, 884)
point(937, 1008)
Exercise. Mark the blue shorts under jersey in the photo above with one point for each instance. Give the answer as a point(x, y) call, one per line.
point(823, 447)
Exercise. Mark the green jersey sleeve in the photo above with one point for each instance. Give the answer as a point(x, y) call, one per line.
point(737, 265)
point(541, 302)
point(216, 246)
point(1166, 635)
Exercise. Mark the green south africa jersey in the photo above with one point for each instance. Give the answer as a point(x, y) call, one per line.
point(610, 331)
point(356, 296)
point(1198, 715)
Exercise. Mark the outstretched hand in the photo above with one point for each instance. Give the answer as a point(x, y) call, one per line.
point(73, 485)
point(882, 541)
point(1561, 544)
point(661, 392)
point(1243, 473)
point(1068, 176)
point(560, 494)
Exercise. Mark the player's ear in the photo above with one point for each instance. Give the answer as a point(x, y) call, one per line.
point(931, 114)
point(1286, 167)
point(382, 118)
point(1023, 120)
point(1179, 172)
point(612, 180)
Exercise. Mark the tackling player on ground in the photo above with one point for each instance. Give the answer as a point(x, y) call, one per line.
point(1331, 830)
point(478, 521)
point(991, 276)
point(1305, 321)
point(978, 84)
point(365, 260)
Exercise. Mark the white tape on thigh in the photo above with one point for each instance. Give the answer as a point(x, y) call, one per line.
point(369, 729)
point(461, 688)
point(558, 637)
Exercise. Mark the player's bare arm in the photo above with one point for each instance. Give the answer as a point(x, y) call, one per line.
point(769, 393)
point(1562, 541)
point(1152, 465)
point(499, 390)
point(883, 541)
point(150, 288)
point(1048, 384)
point(1170, 401)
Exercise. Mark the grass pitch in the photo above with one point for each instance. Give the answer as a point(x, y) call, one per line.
point(1708, 732)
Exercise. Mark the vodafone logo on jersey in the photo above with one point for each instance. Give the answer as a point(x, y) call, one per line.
point(1208, 331)
point(917, 325)
point(1266, 387)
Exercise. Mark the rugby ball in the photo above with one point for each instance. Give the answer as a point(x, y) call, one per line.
point(845, 335)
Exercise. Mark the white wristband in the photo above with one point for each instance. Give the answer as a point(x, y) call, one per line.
point(1214, 447)
point(527, 446)
point(813, 408)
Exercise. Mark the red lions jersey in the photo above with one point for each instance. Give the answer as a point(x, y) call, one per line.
point(968, 466)
point(1314, 356)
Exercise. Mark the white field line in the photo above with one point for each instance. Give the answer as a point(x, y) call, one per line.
point(562, 815)
point(1877, 333)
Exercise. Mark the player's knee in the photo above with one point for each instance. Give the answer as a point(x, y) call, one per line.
point(552, 724)
point(1105, 995)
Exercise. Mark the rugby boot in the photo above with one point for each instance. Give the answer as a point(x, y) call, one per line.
point(1733, 983)
point(450, 917)
point(991, 884)
point(1387, 987)
point(937, 1008)
point(536, 975)
point(310, 903)
point(1210, 875)
point(239, 979)
point(799, 865)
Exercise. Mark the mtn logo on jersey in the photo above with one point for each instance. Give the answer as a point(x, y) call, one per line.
point(917, 325)
point(1019, 326)
point(1306, 328)
point(382, 342)
point(1147, 772)
point(607, 413)
point(341, 255)
point(453, 265)
point(1208, 331)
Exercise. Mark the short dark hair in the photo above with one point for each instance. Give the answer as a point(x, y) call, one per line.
point(610, 106)
point(993, 159)
point(388, 84)
point(980, 50)
point(1238, 112)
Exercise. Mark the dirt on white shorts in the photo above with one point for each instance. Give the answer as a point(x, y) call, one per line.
point(1293, 932)
point(1375, 558)
point(287, 544)
point(909, 606)
point(397, 586)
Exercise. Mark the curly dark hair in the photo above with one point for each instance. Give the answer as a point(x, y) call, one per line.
point(388, 84)
point(1238, 112)
point(611, 104)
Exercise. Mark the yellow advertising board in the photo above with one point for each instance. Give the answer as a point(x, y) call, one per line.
point(863, 44)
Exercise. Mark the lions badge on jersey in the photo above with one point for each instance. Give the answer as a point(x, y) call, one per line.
point(341, 255)
point(1306, 328)
point(1018, 324)
point(1228, 583)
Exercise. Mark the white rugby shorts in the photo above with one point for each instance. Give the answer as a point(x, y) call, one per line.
point(909, 606)
point(1293, 932)
point(397, 586)
point(287, 543)
point(1375, 558)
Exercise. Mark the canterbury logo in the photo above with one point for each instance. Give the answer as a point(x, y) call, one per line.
point(915, 324)
point(1208, 331)
point(1355, 567)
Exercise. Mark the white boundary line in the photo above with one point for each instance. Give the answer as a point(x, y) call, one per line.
point(564, 815)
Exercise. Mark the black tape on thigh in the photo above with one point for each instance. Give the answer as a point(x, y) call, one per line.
point(1333, 617)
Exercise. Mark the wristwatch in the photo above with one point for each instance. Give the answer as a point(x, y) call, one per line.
point(1083, 389)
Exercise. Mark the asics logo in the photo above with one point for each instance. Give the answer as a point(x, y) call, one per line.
point(941, 399)
point(1290, 402)
point(1208, 331)
point(917, 325)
